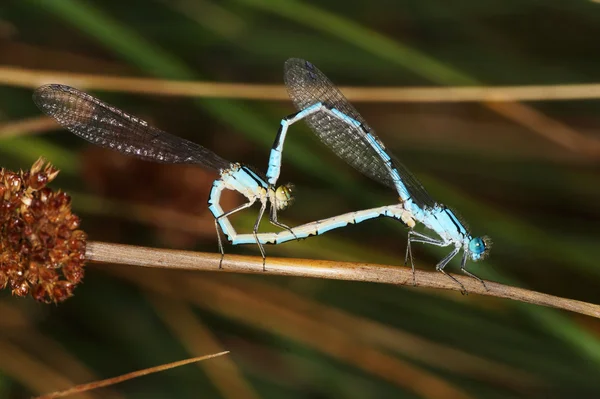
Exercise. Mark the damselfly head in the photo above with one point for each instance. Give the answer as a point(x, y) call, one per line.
point(283, 196)
point(479, 248)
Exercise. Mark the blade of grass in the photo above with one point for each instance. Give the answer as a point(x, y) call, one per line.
point(115, 380)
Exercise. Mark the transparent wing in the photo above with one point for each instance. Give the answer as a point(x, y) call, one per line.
point(306, 86)
point(109, 127)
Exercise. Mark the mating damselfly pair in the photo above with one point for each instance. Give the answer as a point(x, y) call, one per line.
point(330, 116)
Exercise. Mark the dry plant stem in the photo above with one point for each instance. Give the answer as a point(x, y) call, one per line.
point(490, 96)
point(32, 78)
point(115, 380)
point(99, 252)
point(551, 129)
point(36, 124)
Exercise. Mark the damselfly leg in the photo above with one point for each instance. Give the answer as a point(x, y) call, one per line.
point(442, 264)
point(218, 227)
point(468, 273)
point(414, 236)
point(275, 222)
point(261, 212)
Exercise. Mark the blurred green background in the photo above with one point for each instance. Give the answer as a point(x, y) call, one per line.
point(510, 177)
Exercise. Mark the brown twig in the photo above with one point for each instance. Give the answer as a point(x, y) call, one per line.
point(33, 78)
point(38, 124)
point(551, 129)
point(498, 99)
point(115, 380)
point(100, 252)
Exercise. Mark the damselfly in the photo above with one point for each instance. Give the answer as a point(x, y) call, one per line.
point(339, 126)
point(108, 126)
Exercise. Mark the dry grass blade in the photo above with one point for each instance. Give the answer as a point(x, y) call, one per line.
point(522, 114)
point(20, 77)
point(546, 127)
point(38, 124)
point(32, 78)
point(174, 259)
point(115, 380)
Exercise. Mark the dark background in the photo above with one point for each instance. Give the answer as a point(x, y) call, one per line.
point(513, 178)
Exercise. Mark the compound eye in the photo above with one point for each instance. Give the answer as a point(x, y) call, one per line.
point(284, 197)
point(282, 193)
point(477, 246)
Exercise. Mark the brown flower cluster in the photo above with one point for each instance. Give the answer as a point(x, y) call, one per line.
point(42, 252)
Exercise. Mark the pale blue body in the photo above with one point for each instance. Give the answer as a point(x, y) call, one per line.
point(242, 180)
point(439, 219)
point(110, 127)
point(255, 189)
point(248, 183)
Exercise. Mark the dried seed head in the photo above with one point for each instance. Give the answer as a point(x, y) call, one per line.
point(42, 252)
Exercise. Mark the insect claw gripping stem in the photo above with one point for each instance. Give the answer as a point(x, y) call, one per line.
point(468, 273)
